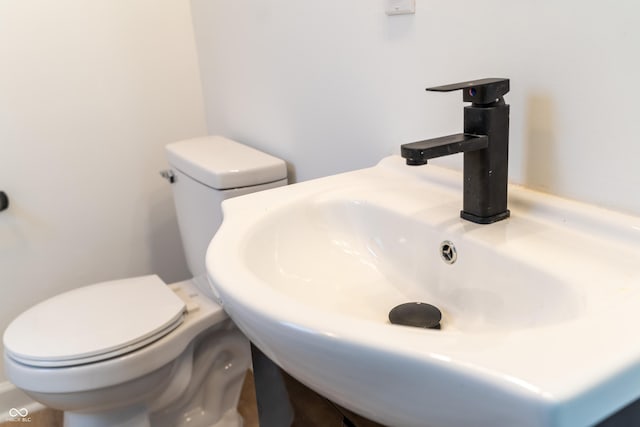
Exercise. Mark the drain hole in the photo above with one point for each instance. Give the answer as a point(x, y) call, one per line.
point(418, 314)
point(448, 252)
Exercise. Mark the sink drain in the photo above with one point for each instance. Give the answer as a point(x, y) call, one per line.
point(448, 252)
point(418, 314)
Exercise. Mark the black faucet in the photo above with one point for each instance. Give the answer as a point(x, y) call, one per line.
point(485, 144)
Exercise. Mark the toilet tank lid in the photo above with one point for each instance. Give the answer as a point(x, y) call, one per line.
point(222, 163)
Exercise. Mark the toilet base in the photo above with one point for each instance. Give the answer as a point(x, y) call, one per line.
point(139, 417)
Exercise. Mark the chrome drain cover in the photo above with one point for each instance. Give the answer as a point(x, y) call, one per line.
point(448, 252)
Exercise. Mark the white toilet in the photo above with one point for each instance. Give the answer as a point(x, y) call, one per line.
point(138, 352)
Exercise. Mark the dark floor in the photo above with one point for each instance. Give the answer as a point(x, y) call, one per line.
point(311, 410)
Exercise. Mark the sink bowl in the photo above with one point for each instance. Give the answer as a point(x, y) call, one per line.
point(539, 312)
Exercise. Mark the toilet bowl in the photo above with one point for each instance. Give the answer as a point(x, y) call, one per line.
point(138, 352)
point(203, 351)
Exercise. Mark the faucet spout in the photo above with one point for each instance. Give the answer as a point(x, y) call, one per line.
point(418, 153)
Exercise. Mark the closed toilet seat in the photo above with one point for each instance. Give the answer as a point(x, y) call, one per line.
point(94, 323)
point(201, 315)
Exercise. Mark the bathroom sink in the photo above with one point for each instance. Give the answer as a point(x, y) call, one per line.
point(539, 312)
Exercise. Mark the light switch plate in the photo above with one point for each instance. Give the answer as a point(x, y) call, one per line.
point(400, 7)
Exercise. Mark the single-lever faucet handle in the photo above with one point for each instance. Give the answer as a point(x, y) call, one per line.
point(479, 92)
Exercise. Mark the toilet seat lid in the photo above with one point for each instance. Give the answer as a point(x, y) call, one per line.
point(95, 322)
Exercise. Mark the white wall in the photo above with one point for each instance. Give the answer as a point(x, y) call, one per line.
point(333, 85)
point(90, 92)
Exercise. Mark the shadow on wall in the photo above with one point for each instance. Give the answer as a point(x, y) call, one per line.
point(17, 227)
point(541, 163)
point(166, 257)
point(291, 173)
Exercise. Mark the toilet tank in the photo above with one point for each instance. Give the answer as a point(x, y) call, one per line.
point(207, 171)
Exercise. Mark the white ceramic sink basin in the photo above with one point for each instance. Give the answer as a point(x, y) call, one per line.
point(540, 311)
